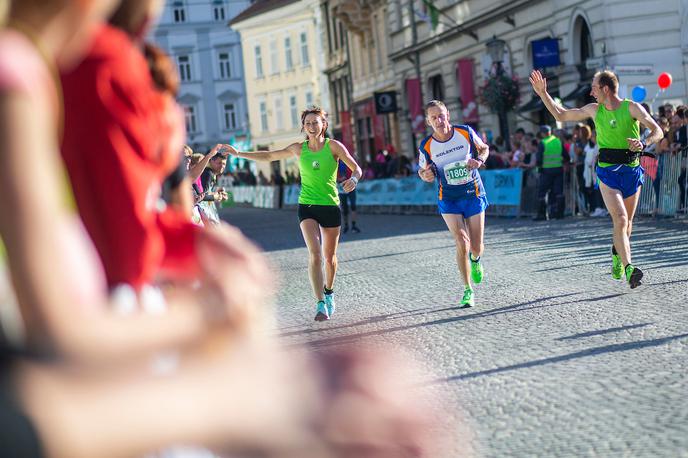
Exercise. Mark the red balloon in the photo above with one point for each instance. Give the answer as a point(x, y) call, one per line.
point(664, 80)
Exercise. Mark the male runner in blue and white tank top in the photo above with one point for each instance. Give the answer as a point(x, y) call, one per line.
point(452, 156)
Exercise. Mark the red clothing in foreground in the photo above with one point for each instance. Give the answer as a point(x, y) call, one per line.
point(117, 149)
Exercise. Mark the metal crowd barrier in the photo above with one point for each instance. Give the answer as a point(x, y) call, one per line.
point(663, 196)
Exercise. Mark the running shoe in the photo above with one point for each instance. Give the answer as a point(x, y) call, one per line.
point(633, 276)
point(476, 270)
point(355, 229)
point(329, 304)
point(617, 267)
point(321, 312)
point(467, 300)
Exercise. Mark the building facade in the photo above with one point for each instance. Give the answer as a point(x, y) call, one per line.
point(447, 57)
point(209, 61)
point(361, 78)
point(282, 50)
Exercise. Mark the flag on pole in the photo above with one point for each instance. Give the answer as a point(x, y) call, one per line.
point(433, 13)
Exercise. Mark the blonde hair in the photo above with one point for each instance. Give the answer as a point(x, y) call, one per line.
point(316, 111)
point(196, 158)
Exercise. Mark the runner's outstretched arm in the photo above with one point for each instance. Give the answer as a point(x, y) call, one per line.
point(560, 113)
point(268, 156)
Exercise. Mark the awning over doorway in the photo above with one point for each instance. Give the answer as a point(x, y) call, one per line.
point(578, 93)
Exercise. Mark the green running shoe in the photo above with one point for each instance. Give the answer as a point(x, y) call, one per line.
point(329, 304)
point(467, 300)
point(476, 270)
point(321, 312)
point(617, 267)
point(633, 276)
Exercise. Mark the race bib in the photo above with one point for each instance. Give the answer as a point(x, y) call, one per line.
point(457, 173)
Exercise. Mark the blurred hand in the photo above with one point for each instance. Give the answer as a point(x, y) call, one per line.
point(371, 408)
point(349, 185)
point(235, 274)
point(473, 164)
point(221, 148)
point(634, 144)
point(538, 82)
point(427, 174)
point(232, 150)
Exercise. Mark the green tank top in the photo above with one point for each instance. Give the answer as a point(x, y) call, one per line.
point(318, 176)
point(614, 127)
point(552, 157)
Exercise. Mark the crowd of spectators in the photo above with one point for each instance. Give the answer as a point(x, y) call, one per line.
point(521, 151)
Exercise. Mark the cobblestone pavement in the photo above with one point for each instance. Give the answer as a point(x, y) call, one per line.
point(556, 359)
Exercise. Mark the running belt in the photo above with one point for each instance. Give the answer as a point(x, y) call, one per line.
point(621, 156)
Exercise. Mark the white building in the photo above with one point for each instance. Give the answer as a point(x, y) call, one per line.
point(209, 61)
point(637, 39)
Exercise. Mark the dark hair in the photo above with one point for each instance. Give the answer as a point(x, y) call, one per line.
point(316, 111)
point(609, 79)
point(162, 69)
point(434, 103)
point(130, 16)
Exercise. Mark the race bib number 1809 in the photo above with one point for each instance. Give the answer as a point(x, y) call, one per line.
point(457, 173)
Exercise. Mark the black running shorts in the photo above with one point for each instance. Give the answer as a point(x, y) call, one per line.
point(324, 215)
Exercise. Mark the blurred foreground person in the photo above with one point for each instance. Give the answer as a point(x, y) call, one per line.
point(71, 383)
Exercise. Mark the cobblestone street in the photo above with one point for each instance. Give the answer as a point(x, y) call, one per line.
point(556, 358)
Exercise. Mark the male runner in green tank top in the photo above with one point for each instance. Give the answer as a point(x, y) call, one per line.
point(619, 172)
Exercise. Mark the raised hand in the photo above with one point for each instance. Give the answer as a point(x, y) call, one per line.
point(231, 150)
point(223, 149)
point(538, 82)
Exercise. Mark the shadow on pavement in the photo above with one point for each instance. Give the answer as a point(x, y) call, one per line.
point(604, 331)
point(614, 348)
point(410, 313)
point(351, 338)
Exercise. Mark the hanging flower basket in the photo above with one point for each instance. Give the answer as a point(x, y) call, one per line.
point(500, 93)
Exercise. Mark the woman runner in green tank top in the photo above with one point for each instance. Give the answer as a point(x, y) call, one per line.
point(616, 123)
point(319, 215)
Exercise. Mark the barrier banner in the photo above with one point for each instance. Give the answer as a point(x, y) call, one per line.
point(257, 196)
point(503, 187)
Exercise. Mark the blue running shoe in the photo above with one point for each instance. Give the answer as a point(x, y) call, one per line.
point(321, 312)
point(329, 303)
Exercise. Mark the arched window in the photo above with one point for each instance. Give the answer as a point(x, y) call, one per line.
point(582, 41)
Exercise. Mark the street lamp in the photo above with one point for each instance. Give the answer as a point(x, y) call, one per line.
point(495, 49)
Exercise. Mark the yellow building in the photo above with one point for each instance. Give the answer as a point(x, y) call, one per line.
point(283, 61)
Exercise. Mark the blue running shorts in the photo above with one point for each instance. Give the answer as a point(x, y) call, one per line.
point(468, 207)
point(622, 177)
